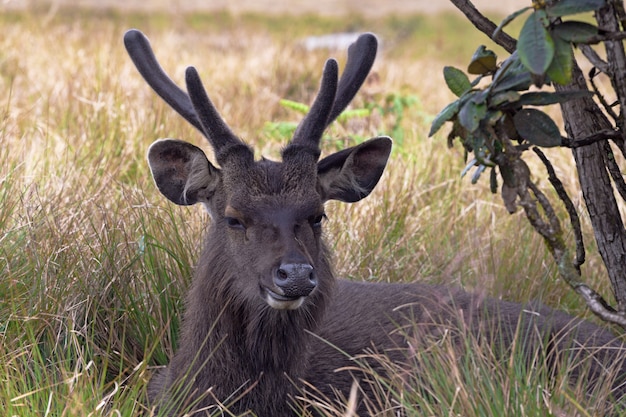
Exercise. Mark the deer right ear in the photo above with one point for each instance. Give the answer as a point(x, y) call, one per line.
point(182, 171)
point(351, 174)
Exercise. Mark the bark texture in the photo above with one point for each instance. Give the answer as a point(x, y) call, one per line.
point(582, 119)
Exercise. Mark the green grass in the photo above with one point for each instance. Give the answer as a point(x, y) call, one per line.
point(94, 262)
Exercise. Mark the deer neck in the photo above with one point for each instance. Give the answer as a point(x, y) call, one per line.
point(256, 337)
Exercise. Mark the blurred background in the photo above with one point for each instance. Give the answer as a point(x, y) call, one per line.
point(324, 7)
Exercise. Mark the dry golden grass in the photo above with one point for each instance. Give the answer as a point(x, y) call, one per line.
point(94, 261)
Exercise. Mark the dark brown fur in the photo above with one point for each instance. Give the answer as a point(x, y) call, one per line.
point(265, 318)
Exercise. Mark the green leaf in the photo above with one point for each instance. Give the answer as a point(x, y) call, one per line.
point(471, 113)
point(560, 8)
point(457, 131)
point(493, 181)
point(492, 117)
point(294, 105)
point(282, 130)
point(479, 170)
point(514, 81)
point(353, 113)
point(535, 45)
point(560, 69)
point(483, 61)
point(444, 115)
point(469, 166)
point(508, 127)
point(456, 80)
point(544, 98)
point(508, 20)
point(537, 128)
point(575, 32)
point(398, 135)
point(476, 81)
point(506, 97)
point(512, 75)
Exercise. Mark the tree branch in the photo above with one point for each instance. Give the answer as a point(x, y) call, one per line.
point(485, 25)
point(605, 37)
point(614, 170)
point(593, 57)
point(593, 138)
point(569, 206)
point(551, 232)
point(599, 307)
point(607, 107)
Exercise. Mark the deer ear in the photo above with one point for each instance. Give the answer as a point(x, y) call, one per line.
point(352, 174)
point(182, 171)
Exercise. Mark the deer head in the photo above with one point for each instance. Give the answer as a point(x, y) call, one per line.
point(266, 215)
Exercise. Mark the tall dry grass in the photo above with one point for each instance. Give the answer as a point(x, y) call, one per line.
point(94, 261)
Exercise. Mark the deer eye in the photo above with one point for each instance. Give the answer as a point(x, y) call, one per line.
point(316, 221)
point(235, 223)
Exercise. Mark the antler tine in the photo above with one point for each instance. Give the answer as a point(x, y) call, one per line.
point(224, 142)
point(141, 53)
point(195, 107)
point(361, 55)
point(312, 127)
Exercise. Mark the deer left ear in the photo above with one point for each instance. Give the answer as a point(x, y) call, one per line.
point(182, 172)
point(351, 174)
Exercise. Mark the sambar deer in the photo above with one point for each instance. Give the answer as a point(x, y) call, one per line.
point(266, 320)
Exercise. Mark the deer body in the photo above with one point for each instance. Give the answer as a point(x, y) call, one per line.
point(271, 354)
point(265, 319)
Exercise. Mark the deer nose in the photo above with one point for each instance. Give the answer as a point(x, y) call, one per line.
point(295, 279)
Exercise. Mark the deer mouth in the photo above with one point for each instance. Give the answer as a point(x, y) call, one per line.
point(282, 302)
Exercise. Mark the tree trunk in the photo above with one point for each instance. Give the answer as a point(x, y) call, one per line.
point(583, 118)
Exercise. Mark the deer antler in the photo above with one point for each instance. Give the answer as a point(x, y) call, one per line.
point(224, 142)
point(310, 130)
point(327, 106)
point(361, 56)
point(141, 54)
point(197, 109)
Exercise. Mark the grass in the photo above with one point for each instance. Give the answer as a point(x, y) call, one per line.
point(94, 261)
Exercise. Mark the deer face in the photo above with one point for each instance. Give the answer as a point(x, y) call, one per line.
point(266, 215)
point(269, 215)
point(274, 223)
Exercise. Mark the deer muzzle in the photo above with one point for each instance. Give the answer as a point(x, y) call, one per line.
point(293, 282)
